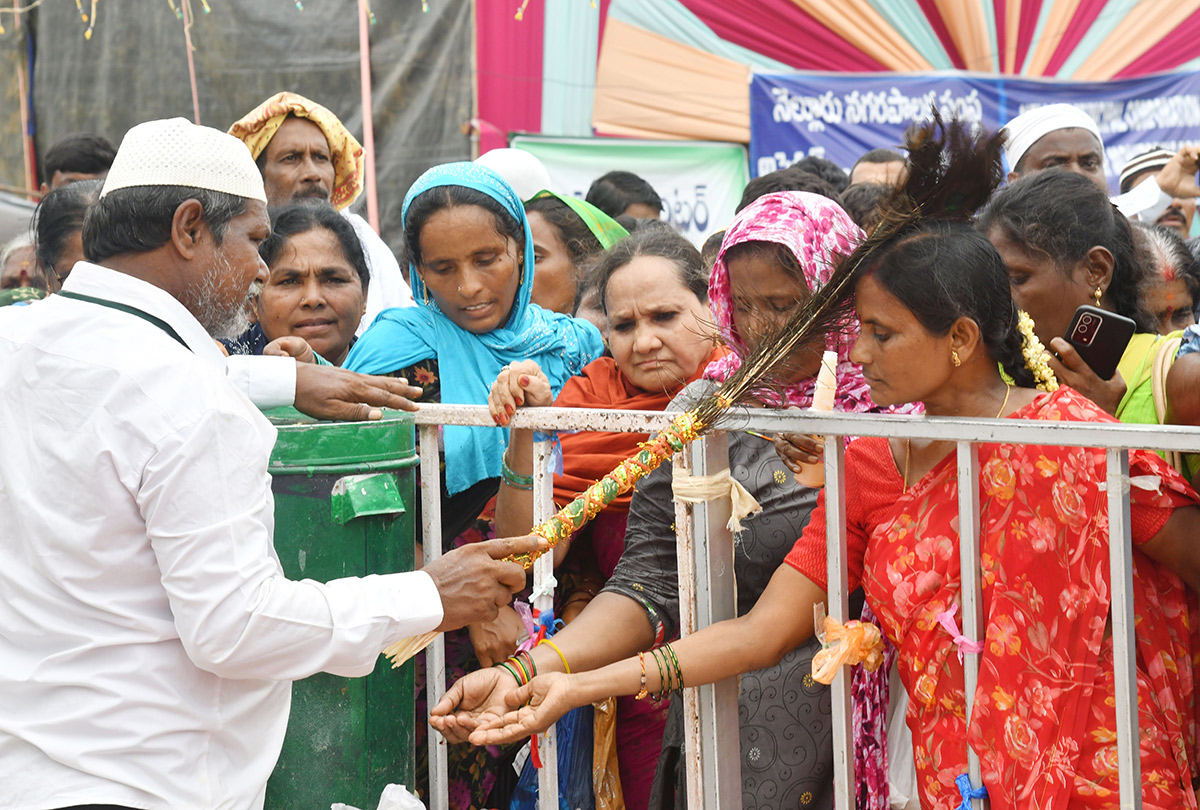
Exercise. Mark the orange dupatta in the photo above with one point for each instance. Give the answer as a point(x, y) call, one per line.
point(589, 456)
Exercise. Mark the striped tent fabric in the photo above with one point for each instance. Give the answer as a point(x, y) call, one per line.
point(679, 68)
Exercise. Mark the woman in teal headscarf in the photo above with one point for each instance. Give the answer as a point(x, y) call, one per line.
point(472, 271)
point(471, 267)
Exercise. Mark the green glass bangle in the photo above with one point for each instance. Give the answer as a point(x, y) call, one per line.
point(514, 480)
point(508, 668)
point(678, 669)
point(663, 684)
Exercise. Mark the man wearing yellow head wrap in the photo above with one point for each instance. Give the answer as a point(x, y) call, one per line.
point(305, 153)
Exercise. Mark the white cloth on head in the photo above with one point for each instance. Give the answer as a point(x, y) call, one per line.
point(388, 287)
point(147, 633)
point(520, 169)
point(1030, 127)
point(176, 152)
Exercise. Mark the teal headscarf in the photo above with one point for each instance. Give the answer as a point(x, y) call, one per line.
point(468, 364)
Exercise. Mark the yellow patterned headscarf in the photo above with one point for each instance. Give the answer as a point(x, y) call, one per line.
point(259, 126)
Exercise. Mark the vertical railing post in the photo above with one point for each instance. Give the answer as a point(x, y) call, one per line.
point(838, 598)
point(1120, 551)
point(435, 653)
point(716, 600)
point(973, 624)
point(685, 567)
point(543, 589)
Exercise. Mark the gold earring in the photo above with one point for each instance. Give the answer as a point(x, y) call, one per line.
point(954, 357)
point(1099, 292)
point(425, 294)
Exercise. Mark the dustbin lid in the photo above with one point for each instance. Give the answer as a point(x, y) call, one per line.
point(305, 446)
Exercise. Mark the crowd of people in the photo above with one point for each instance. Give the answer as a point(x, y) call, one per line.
point(172, 289)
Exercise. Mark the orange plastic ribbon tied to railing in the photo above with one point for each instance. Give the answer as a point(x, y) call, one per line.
point(851, 643)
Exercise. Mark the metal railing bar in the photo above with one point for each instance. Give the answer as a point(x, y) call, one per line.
point(838, 599)
point(435, 653)
point(1120, 551)
point(716, 600)
point(543, 573)
point(685, 566)
point(973, 625)
point(1004, 431)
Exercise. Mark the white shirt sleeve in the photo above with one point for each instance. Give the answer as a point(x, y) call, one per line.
point(269, 382)
point(1145, 201)
point(206, 500)
point(388, 287)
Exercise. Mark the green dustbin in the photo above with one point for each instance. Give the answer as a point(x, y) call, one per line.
point(344, 506)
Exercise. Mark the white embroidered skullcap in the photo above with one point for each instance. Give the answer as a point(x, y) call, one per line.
point(176, 152)
point(1030, 127)
point(520, 169)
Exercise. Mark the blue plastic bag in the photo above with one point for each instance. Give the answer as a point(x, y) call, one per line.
point(575, 736)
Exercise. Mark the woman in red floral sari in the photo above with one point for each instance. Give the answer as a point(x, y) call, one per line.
point(939, 326)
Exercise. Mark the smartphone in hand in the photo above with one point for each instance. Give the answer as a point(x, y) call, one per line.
point(1100, 337)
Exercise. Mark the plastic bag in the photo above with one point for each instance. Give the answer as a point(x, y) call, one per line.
point(851, 643)
point(575, 736)
point(394, 797)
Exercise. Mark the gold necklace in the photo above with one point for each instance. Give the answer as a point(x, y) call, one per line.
point(908, 442)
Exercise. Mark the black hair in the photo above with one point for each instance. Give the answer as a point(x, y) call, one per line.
point(659, 240)
point(827, 170)
point(297, 218)
point(878, 156)
point(138, 219)
point(1158, 249)
point(789, 179)
point(612, 193)
point(710, 249)
point(779, 255)
point(60, 214)
point(573, 232)
point(429, 202)
point(862, 202)
point(1063, 215)
point(83, 152)
point(943, 271)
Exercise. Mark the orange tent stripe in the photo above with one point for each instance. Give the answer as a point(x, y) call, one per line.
point(968, 28)
point(1012, 29)
point(1137, 33)
point(857, 22)
point(1061, 12)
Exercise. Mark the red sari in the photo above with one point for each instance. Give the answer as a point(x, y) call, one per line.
point(1044, 720)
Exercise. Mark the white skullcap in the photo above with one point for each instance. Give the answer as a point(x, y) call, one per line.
point(1028, 128)
point(176, 152)
point(521, 170)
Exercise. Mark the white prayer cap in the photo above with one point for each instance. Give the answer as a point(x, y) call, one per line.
point(1030, 127)
point(176, 152)
point(521, 170)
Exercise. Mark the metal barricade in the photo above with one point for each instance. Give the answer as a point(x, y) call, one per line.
point(712, 753)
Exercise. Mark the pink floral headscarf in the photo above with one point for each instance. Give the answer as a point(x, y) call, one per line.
point(818, 232)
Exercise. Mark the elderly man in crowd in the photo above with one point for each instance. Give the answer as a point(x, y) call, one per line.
point(147, 633)
point(1062, 136)
point(305, 153)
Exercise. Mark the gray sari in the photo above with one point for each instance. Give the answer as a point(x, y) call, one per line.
point(786, 729)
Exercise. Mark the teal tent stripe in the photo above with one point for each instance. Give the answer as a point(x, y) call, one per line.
point(671, 19)
point(570, 46)
point(1109, 18)
point(907, 17)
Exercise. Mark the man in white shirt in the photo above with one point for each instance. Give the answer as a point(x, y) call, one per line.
point(305, 153)
point(1062, 136)
point(147, 633)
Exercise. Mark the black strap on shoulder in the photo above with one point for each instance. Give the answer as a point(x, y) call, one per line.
point(145, 316)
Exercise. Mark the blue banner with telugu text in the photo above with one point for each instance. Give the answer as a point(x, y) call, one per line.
point(841, 116)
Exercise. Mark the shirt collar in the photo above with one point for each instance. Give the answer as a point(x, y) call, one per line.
point(101, 282)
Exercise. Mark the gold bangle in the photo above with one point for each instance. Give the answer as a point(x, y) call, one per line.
point(554, 647)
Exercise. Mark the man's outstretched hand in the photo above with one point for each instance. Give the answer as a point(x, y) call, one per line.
point(328, 392)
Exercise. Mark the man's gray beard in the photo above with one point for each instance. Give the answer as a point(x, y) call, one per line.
point(206, 303)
